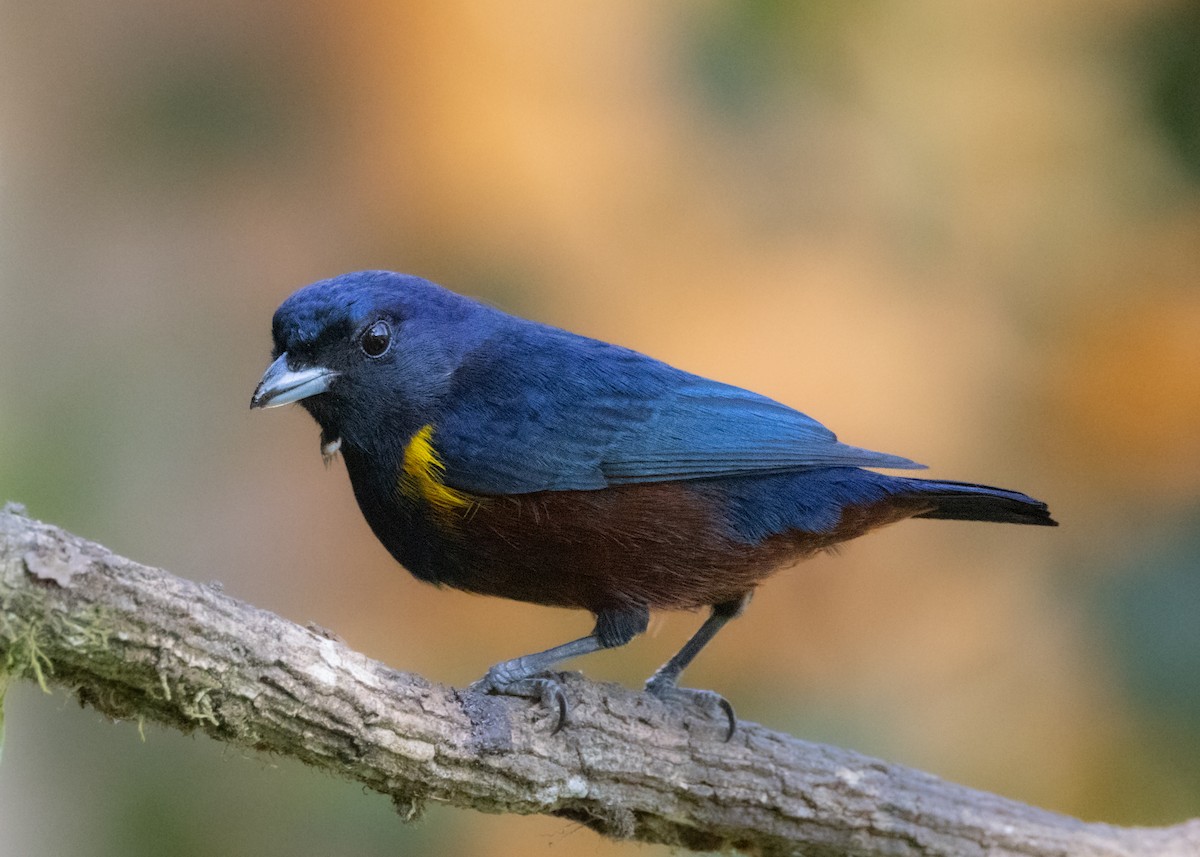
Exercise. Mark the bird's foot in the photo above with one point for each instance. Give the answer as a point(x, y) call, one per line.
point(670, 692)
point(544, 688)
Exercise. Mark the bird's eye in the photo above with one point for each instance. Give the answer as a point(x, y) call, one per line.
point(376, 339)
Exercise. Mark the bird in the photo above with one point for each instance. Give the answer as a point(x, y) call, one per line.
point(505, 457)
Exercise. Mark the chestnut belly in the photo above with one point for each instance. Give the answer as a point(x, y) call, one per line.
point(666, 545)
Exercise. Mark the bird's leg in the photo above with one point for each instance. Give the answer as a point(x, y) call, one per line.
point(665, 682)
point(519, 677)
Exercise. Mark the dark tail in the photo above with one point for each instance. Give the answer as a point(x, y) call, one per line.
point(962, 501)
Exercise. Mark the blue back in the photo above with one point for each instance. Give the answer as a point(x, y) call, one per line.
point(536, 408)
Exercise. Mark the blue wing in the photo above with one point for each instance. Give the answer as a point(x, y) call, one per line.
point(540, 409)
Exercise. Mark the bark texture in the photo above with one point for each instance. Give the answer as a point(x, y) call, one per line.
point(138, 643)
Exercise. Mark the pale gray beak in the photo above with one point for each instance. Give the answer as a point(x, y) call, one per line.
point(282, 386)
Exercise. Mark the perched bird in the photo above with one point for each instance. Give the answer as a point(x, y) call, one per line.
point(505, 457)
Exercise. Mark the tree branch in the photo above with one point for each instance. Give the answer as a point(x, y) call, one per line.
point(138, 643)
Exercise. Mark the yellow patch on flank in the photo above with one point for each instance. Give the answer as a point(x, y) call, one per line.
point(422, 474)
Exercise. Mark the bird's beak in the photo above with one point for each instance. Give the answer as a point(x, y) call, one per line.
point(281, 385)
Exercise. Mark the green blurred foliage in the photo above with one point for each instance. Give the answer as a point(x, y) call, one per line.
point(749, 58)
point(1147, 606)
point(196, 113)
point(1168, 55)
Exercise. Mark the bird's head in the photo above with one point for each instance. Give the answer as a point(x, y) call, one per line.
point(370, 354)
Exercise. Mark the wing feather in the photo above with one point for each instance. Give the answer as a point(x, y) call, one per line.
point(540, 409)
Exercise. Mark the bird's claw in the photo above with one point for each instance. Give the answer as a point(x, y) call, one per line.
point(548, 691)
point(669, 692)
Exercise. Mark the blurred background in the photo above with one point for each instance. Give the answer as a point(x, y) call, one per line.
point(965, 234)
